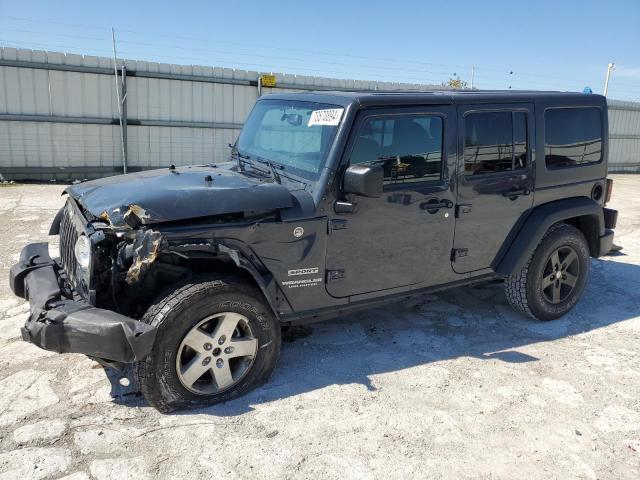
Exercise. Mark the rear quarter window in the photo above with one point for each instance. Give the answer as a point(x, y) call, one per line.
point(573, 137)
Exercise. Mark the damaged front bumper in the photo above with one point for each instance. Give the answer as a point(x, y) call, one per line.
point(73, 326)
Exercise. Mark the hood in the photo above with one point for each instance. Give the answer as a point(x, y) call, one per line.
point(165, 195)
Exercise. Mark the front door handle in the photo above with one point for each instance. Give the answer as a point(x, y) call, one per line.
point(513, 194)
point(433, 205)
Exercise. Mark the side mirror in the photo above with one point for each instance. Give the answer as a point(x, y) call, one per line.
point(365, 180)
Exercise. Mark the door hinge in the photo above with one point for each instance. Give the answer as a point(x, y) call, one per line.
point(336, 224)
point(462, 208)
point(458, 253)
point(334, 275)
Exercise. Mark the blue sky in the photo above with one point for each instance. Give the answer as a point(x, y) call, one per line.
point(563, 45)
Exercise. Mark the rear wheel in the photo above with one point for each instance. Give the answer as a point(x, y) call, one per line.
point(554, 278)
point(560, 275)
point(216, 340)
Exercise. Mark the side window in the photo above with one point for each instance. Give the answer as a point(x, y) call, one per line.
point(573, 136)
point(409, 147)
point(495, 142)
point(519, 140)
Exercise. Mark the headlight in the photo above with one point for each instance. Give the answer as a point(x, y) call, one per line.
point(82, 250)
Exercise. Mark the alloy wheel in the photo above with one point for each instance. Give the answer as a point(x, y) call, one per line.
point(216, 353)
point(560, 274)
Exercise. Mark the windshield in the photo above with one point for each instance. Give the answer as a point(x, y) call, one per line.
point(296, 135)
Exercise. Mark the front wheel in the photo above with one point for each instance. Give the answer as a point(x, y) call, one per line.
point(216, 340)
point(554, 278)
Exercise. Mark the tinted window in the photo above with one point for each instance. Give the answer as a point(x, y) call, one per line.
point(494, 142)
point(573, 136)
point(519, 140)
point(408, 147)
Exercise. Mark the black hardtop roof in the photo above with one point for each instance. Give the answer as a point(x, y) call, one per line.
point(404, 98)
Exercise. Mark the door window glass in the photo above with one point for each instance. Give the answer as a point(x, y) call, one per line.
point(495, 142)
point(408, 147)
point(573, 136)
point(519, 140)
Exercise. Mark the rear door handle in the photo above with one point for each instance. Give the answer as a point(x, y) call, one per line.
point(513, 194)
point(434, 204)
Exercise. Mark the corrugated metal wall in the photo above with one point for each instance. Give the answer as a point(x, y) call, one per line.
point(59, 114)
point(624, 136)
point(29, 145)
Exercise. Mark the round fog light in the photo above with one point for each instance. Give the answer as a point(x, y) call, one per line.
point(82, 251)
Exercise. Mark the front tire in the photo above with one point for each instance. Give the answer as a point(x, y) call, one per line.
point(216, 340)
point(554, 278)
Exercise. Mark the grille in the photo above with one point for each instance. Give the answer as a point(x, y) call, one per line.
point(68, 236)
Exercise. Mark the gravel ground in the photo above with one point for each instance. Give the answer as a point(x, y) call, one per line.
point(458, 387)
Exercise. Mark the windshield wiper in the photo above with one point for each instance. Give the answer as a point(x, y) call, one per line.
point(246, 159)
point(242, 159)
point(278, 175)
point(272, 167)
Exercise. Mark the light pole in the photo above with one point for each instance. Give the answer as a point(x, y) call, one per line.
point(610, 68)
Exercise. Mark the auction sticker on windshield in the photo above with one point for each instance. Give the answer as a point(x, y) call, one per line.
point(330, 116)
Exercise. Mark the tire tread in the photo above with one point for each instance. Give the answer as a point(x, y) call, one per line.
point(515, 285)
point(169, 300)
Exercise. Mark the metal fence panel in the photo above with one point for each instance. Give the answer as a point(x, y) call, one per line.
point(59, 114)
point(624, 136)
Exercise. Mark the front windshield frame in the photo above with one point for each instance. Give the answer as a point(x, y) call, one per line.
point(245, 145)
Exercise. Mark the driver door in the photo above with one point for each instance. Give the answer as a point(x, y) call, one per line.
point(403, 237)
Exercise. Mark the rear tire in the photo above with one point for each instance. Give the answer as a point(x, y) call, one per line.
point(216, 340)
point(554, 278)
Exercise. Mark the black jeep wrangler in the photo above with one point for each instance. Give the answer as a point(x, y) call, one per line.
point(332, 202)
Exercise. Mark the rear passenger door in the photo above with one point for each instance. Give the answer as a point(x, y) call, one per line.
point(495, 179)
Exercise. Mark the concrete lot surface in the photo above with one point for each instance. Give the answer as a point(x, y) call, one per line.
point(459, 387)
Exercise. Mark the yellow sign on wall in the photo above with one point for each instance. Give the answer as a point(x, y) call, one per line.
point(268, 80)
